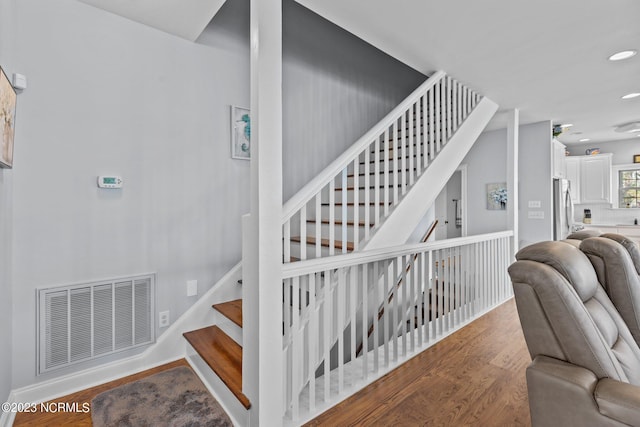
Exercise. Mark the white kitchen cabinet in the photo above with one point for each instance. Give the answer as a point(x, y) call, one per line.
point(590, 178)
point(595, 178)
point(558, 149)
point(573, 175)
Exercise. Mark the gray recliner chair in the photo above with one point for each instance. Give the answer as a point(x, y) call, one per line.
point(612, 256)
point(586, 364)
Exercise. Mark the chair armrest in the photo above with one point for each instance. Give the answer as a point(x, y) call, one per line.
point(618, 400)
point(563, 394)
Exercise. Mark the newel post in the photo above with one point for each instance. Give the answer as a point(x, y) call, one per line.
point(262, 262)
point(513, 126)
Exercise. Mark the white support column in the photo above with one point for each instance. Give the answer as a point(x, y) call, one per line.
point(262, 267)
point(513, 124)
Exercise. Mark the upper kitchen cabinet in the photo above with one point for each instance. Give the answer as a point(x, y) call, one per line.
point(558, 151)
point(595, 178)
point(590, 178)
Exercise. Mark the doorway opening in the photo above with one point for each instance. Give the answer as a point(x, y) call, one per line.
point(450, 207)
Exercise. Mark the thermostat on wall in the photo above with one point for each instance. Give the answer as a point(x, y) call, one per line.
point(108, 181)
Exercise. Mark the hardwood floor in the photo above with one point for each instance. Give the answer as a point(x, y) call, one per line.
point(474, 377)
point(81, 419)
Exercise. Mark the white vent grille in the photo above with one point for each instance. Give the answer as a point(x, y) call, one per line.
point(81, 322)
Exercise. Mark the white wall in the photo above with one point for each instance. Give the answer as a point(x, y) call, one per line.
point(110, 96)
point(486, 163)
point(623, 151)
point(535, 182)
point(6, 209)
point(107, 95)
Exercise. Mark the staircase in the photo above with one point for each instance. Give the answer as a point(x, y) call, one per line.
point(351, 201)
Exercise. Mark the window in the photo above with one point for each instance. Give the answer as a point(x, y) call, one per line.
point(629, 188)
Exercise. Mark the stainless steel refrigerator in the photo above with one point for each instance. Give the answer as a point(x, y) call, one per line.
point(562, 209)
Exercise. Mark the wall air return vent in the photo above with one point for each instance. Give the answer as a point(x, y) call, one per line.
point(81, 322)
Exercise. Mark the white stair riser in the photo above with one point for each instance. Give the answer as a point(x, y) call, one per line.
point(337, 229)
point(350, 211)
point(361, 194)
point(311, 251)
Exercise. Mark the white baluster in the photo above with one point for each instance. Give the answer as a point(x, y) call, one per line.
point(386, 145)
point(326, 342)
point(403, 160)
point(286, 241)
point(396, 307)
point(376, 180)
point(345, 217)
point(388, 286)
point(374, 315)
point(332, 217)
point(341, 291)
point(353, 309)
point(356, 210)
point(411, 282)
point(365, 310)
point(421, 322)
point(296, 356)
point(420, 131)
point(303, 232)
point(314, 333)
point(396, 164)
point(412, 141)
point(367, 187)
point(454, 106)
point(319, 224)
point(439, 118)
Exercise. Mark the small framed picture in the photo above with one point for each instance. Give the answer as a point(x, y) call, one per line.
point(240, 133)
point(7, 120)
point(636, 158)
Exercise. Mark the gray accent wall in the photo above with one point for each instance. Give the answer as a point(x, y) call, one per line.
point(6, 209)
point(110, 96)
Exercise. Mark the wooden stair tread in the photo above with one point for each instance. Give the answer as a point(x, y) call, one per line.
point(232, 310)
point(324, 242)
point(351, 175)
point(351, 188)
point(223, 355)
point(339, 222)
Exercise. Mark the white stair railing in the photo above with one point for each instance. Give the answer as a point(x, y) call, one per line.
point(449, 283)
point(343, 206)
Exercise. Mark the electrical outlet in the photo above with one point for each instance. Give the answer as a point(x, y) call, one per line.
point(192, 288)
point(163, 319)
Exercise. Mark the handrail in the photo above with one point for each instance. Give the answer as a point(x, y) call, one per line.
point(355, 258)
point(295, 203)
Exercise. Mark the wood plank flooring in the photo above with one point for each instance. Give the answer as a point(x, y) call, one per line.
point(80, 419)
point(475, 377)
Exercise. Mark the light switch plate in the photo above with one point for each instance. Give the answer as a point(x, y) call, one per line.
point(535, 215)
point(535, 203)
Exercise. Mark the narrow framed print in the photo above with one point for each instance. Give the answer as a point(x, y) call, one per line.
point(240, 133)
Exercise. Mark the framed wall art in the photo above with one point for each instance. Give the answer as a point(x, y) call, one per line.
point(7, 120)
point(240, 133)
point(497, 196)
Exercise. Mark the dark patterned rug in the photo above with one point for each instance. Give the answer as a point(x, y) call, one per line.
point(175, 397)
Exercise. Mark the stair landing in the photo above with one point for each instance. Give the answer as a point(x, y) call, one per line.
point(223, 355)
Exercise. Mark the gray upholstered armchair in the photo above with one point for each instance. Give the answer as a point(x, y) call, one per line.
point(586, 364)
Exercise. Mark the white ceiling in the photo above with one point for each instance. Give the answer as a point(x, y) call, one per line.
point(547, 58)
point(182, 18)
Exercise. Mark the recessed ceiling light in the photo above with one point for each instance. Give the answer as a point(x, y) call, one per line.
point(567, 125)
point(631, 95)
point(625, 54)
point(585, 140)
point(628, 127)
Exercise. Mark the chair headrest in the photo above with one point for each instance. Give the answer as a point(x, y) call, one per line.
point(584, 234)
point(629, 245)
point(568, 260)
